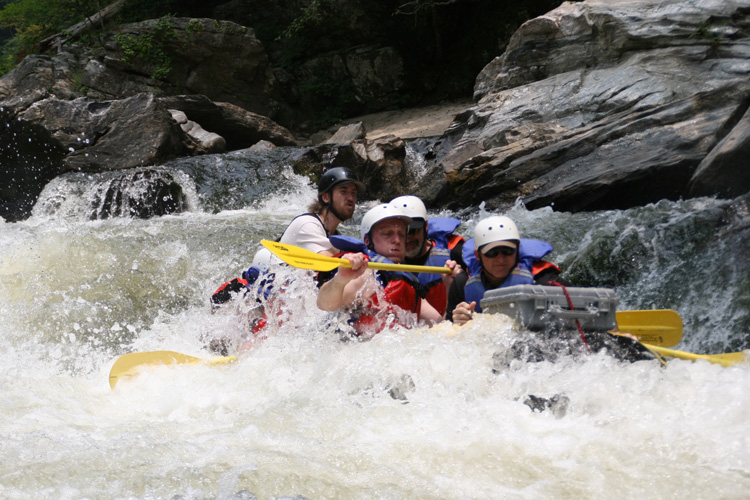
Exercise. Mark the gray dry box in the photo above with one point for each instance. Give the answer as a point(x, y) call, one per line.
point(537, 307)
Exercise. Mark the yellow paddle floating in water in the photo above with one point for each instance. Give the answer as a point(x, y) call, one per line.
point(131, 364)
point(661, 327)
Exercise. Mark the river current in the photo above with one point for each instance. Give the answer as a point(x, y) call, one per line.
point(303, 414)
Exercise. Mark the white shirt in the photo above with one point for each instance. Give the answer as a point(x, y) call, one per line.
point(307, 231)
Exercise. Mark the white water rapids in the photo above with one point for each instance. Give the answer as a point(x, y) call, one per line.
point(305, 415)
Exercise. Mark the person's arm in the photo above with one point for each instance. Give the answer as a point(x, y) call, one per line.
point(448, 279)
point(429, 314)
point(342, 289)
point(459, 311)
point(455, 294)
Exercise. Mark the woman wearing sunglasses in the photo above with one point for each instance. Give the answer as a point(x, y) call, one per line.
point(497, 257)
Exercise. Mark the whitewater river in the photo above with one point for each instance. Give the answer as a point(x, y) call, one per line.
point(304, 415)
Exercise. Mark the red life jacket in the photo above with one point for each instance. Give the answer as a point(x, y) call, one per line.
point(438, 297)
point(225, 291)
point(454, 240)
point(400, 296)
point(542, 265)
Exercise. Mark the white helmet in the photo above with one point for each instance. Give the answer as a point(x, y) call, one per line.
point(495, 229)
point(379, 213)
point(411, 206)
point(264, 259)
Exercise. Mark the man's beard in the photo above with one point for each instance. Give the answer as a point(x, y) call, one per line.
point(415, 251)
point(345, 213)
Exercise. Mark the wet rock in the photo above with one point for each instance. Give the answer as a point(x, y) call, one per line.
point(141, 194)
point(109, 135)
point(240, 128)
point(208, 141)
point(29, 159)
point(598, 105)
point(348, 133)
point(379, 163)
point(724, 171)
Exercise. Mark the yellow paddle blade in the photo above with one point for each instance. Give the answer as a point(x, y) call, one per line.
point(725, 359)
point(305, 259)
point(662, 327)
point(131, 364)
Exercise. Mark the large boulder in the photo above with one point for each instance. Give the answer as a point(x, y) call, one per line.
point(29, 159)
point(46, 136)
point(379, 163)
point(219, 59)
point(602, 104)
point(240, 128)
point(169, 56)
point(725, 171)
point(109, 135)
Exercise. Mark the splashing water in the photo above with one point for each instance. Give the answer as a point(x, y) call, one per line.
point(423, 413)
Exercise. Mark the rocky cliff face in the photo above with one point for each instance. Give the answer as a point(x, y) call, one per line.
point(606, 104)
point(594, 105)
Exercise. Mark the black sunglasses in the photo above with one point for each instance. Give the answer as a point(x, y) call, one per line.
point(492, 253)
point(415, 227)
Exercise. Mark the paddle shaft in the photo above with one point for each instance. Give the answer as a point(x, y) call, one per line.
point(407, 268)
point(305, 259)
point(725, 359)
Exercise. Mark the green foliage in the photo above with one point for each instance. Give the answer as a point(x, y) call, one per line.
point(194, 27)
point(318, 28)
point(151, 48)
point(31, 21)
point(8, 53)
point(311, 15)
point(139, 10)
point(335, 98)
point(707, 31)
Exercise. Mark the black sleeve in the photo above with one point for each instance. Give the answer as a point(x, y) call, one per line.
point(456, 294)
point(548, 275)
point(226, 291)
point(325, 276)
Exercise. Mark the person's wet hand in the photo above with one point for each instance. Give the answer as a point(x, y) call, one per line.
point(463, 312)
point(455, 271)
point(358, 262)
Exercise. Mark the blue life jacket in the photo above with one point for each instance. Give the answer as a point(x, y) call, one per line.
point(530, 251)
point(259, 279)
point(439, 231)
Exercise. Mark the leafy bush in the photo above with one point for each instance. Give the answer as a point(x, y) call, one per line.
point(151, 48)
point(34, 20)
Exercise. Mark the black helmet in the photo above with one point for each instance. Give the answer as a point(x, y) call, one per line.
point(336, 176)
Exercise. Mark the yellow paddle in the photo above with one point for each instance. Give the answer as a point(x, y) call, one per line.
point(131, 364)
point(661, 327)
point(305, 259)
point(725, 359)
